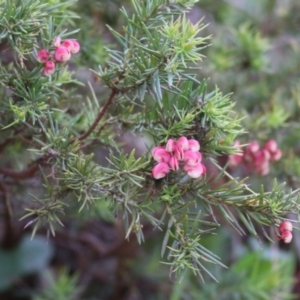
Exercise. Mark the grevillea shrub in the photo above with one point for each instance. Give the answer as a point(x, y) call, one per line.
point(72, 97)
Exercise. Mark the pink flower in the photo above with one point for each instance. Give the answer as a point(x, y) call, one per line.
point(62, 54)
point(179, 152)
point(235, 160)
point(276, 155)
point(275, 152)
point(183, 143)
point(253, 147)
point(261, 157)
point(193, 145)
point(266, 154)
point(174, 163)
point(271, 145)
point(192, 158)
point(49, 68)
point(261, 162)
point(263, 168)
point(160, 170)
point(160, 154)
point(68, 44)
point(250, 151)
point(76, 47)
point(195, 171)
point(57, 41)
point(171, 145)
point(286, 236)
point(285, 226)
point(42, 56)
point(72, 45)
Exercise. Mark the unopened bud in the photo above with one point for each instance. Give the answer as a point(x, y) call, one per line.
point(285, 226)
point(286, 236)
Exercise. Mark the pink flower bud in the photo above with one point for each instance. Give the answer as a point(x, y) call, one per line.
point(62, 54)
point(49, 68)
point(276, 155)
point(195, 171)
point(234, 160)
point(253, 147)
point(285, 226)
point(42, 56)
point(266, 154)
point(259, 158)
point(286, 236)
point(271, 145)
point(250, 151)
point(68, 44)
point(192, 158)
point(183, 143)
point(193, 145)
point(57, 41)
point(76, 47)
point(160, 170)
point(171, 145)
point(160, 154)
point(179, 152)
point(72, 45)
point(263, 168)
point(174, 163)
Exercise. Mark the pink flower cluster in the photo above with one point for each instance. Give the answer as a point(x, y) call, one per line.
point(170, 156)
point(285, 229)
point(255, 158)
point(62, 52)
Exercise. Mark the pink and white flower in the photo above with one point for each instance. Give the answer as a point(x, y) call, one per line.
point(171, 145)
point(174, 163)
point(72, 45)
point(183, 143)
point(57, 42)
point(160, 170)
point(179, 152)
point(193, 145)
point(285, 226)
point(192, 158)
point(160, 154)
point(235, 160)
point(276, 155)
point(176, 151)
point(195, 171)
point(62, 54)
point(42, 56)
point(271, 145)
point(49, 68)
point(286, 236)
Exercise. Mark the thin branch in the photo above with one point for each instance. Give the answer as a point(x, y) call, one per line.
point(8, 207)
point(98, 118)
point(26, 173)
point(20, 174)
point(176, 225)
point(30, 171)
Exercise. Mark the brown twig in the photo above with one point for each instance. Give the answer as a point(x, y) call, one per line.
point(26, 173)
point(8, 208)
point(98, 118)
point(10, 237)
point(30, 171)
point(20, 174)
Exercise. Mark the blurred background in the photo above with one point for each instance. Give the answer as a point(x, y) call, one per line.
point(254, 55)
